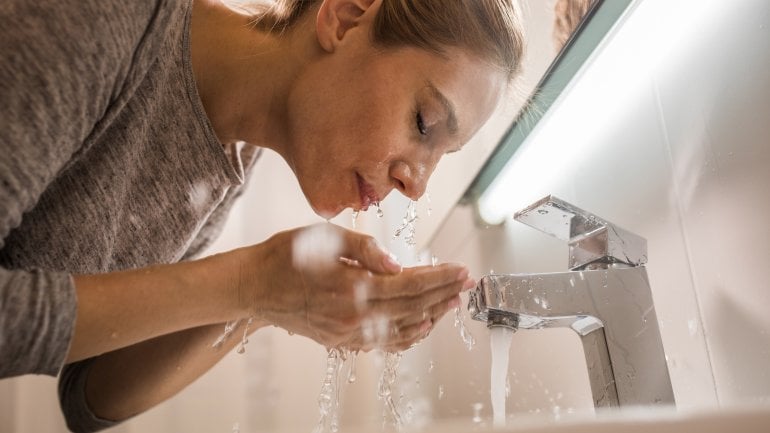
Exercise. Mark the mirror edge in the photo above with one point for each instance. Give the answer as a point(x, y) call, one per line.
point(599, 19)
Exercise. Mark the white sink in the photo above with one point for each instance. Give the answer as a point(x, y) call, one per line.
point(754, 419)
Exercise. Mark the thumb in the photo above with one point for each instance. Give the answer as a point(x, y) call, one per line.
point(369, 254)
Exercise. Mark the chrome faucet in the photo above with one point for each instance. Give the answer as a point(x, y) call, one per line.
point(605, 298)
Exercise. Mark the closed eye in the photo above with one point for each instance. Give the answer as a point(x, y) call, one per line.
point(420, 123)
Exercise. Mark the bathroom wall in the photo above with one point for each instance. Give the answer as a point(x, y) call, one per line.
point(665, 132)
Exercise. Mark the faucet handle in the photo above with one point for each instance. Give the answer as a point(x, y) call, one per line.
point(593, 241)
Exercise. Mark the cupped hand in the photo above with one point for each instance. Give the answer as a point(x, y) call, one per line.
point(341, 289)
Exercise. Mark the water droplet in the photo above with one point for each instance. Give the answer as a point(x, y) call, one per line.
point(407, 225)
point(542, 211)
point(477, 412)
point(352, 368)
point(466, 336)
point(441, 392)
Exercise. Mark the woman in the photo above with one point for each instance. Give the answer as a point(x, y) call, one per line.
point(127, 130)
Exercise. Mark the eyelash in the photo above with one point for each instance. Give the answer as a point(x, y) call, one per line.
point(420, 122)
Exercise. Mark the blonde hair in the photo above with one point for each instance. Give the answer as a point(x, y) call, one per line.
point(490, 29)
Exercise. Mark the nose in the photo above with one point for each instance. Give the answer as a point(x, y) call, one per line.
point(411, 180)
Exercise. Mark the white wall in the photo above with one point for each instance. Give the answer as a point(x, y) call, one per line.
point(665, 134)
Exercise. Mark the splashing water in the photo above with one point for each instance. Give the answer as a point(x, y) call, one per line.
point(407, 225)
point(229, 328)
point(245, 338)
point(464, 333)
point(329, 398)
point(500, 343)
point(385, 389)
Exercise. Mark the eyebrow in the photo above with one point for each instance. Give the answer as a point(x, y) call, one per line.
point(451, 120)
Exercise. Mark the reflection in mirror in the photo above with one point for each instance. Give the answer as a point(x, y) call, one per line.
point(568, 14)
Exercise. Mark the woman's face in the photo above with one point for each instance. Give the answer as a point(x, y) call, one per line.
point(364, 121)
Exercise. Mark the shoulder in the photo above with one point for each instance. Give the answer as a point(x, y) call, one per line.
point(86, 26)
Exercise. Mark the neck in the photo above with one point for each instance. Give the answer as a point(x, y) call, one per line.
point(244, 75)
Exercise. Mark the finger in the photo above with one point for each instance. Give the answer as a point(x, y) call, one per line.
point(368, 253)
point(398, 339)
point(414, 281)
point(434, 312)
point(409, 336)
point(415, 306)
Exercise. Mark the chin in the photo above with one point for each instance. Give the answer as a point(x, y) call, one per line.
point(326, 212)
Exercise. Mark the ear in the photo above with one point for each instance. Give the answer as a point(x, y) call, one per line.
point(337, 17)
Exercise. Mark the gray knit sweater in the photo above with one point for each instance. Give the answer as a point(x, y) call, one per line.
point(107, 162)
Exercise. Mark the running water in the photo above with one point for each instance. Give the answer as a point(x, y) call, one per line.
point(385, 389)
point(329, 398)
point(464, 333)
point(229, 328)
point(355, 218)
point(380, 213)
point(407, 225)
point(500, 343)
point(245, 339)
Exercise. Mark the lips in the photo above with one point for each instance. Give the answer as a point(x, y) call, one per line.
point(366, 193)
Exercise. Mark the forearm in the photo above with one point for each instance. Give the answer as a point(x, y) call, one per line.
point(132, 380)
point(121, 309)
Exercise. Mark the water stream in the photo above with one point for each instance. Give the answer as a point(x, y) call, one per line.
point(329, 398)
point(500, 343)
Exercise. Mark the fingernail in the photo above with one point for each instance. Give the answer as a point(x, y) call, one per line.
point(391, 262)
point(469, 284)
point(425, 327)
point(463, 274)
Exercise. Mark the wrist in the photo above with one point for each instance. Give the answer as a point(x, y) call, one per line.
point(239, 271)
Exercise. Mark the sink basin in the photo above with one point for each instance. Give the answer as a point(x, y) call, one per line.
point(755, 419)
